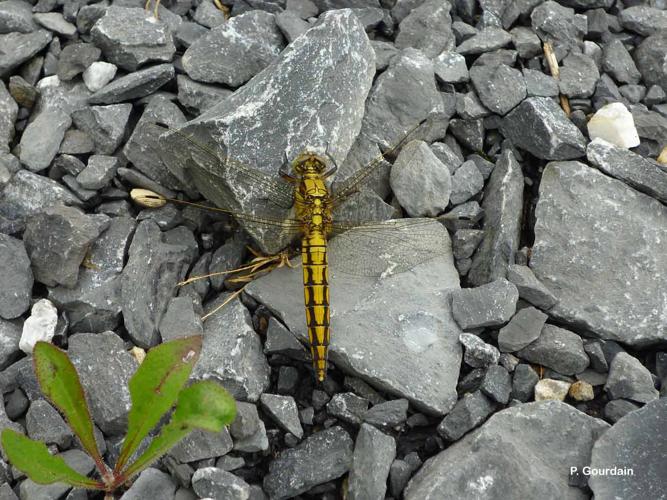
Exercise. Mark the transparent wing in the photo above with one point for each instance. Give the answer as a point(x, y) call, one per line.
point(353, 183)
point(205, 159)
point(389, 247)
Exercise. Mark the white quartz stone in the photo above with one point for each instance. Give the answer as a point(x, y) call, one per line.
point(614, 123)
point(98, 74)
point(551, 389)
point(41, 325)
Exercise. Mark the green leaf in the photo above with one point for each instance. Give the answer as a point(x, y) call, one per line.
point(33, 458)
point(61, 385)
point(154, 389)
point(204, 405)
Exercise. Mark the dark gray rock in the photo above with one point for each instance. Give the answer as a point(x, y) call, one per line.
point(134, 85)
point(467, 181)
point(464, 216)
point(42, 137)
point(104, 124)
point(502, 223)
point(387, 415)
point(291, 25)
point(487, 305)
point(180, 320)
point(157, 261)
point(497, 384)
point(27, 194)
point(55, 21)
point(19, 48)
point(523, 383)
point(405, 362)
point(629, 379)
point(93, 305)
point(99, 172)
point(478, 353)
point(207, 14)
point(76, 459)
point(420, 181)
point(399, 475)
point(578, 76)
point(651, 59)
point(540, 126)
point(129, 38)
point(526, 42)
point(470, 411)
point(142, 149)
point(10, 334)
point(199, 97)
point(57, 241)
point(151, 483)
point(523, 328)
point(465, 241)
point(483, 165)
point(487, 40)
point(211, 482)
point(299, 469)
point(75, 58)
point(616, 61)
point(283, 410)
point(555, 23)
point(596, 354)
point(450, 67)
point(18, 278)
point(105, 368)
point(636, 441)
point(246, 423)
point(574, 196)
point(232, 352)
point(279, 340)
point(427, 28)
point(76, 142)
point(530, 288)
point(558, 349)
point(277, 98)
point(373, 455)
point(642, 174)
point(644, 20)
point(469, 107)
point(45, 424)
point(470, 133)
point(348, 406)
point(246, 44)
point(618, 408)
point(650, 125)
point(552, 437)
point(402, 97)
point(201, 445)
point(16, 16)
point(539, 84)
point(8, 114)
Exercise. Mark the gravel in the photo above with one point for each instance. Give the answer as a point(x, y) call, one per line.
point(483, 340)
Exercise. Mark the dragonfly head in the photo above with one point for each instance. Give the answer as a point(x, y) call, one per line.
point(309, 162)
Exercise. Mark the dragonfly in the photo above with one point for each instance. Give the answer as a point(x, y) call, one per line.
point(304, 186)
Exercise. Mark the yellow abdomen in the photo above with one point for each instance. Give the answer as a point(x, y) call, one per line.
point(316, 295)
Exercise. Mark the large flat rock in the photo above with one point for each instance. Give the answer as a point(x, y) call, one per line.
point(636, 441)
point(599, 247)
point(522, 452)
point(394, 329)
point(311, 97)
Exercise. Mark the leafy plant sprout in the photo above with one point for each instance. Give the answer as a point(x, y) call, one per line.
point(156, 386)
